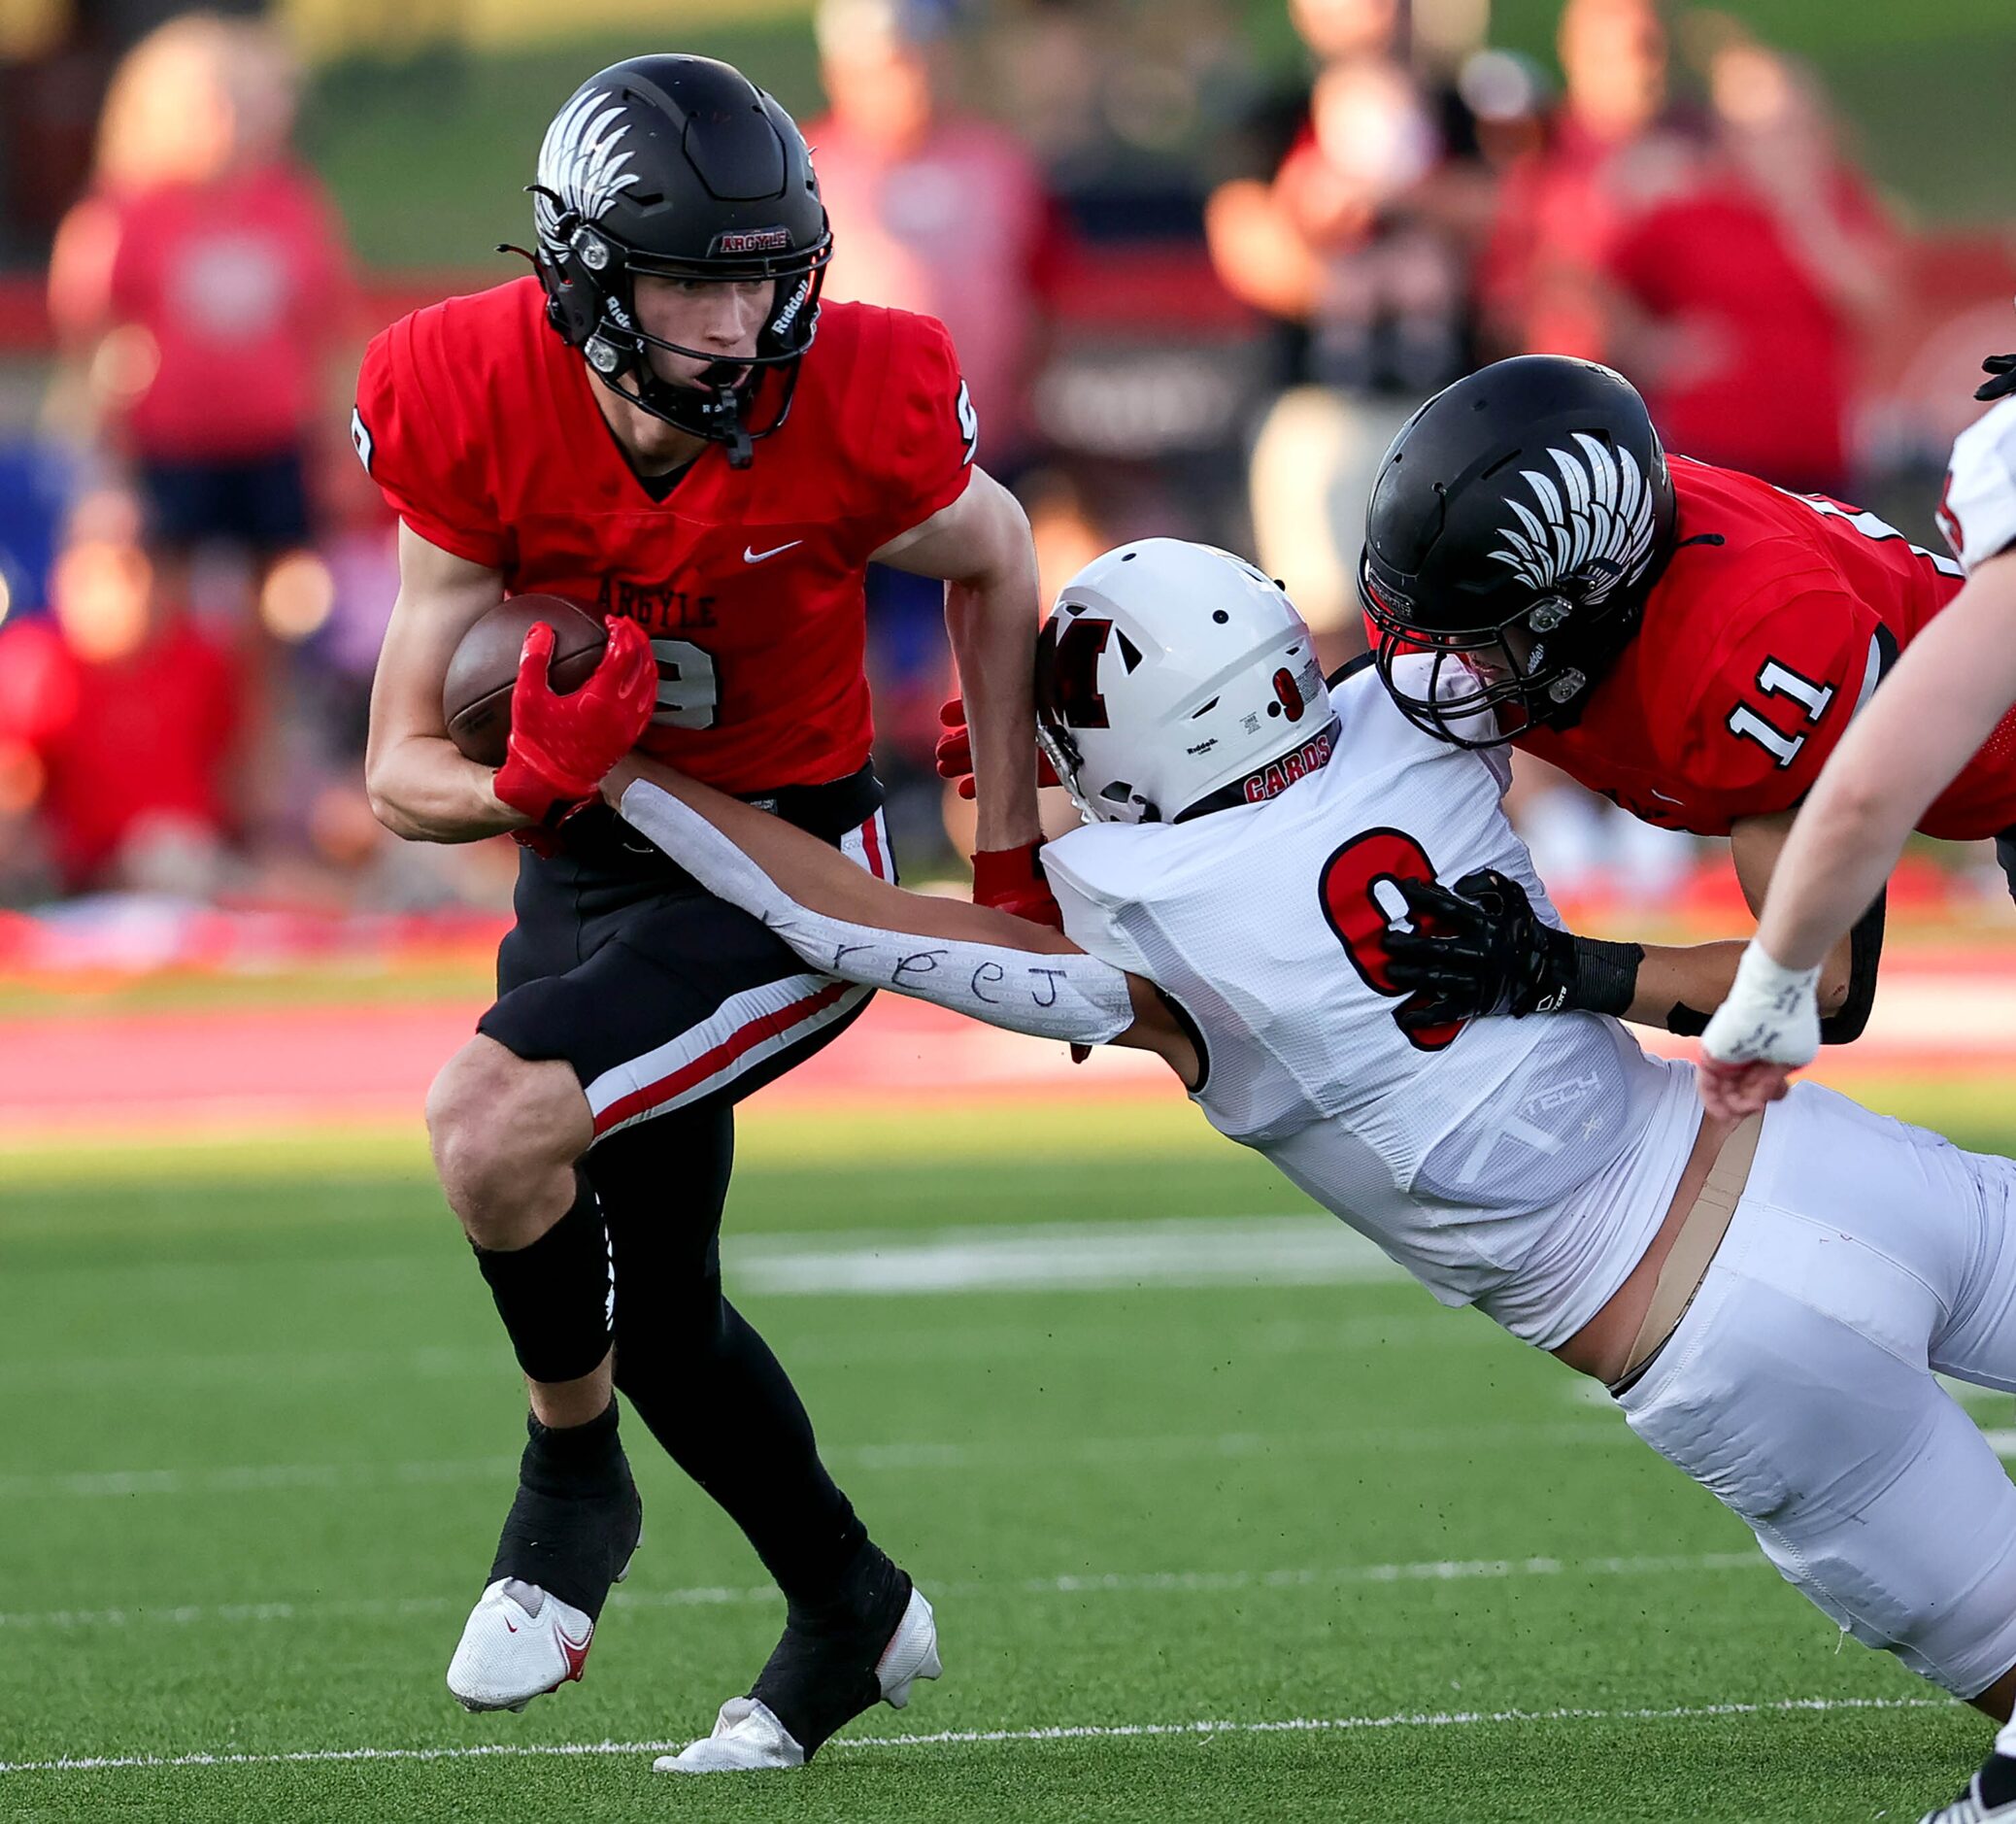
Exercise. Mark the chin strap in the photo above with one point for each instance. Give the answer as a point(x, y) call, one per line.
point(731, 432)
point(724, 424)
point(741, 450)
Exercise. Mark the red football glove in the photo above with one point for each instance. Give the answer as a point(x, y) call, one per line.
point(956, 750)
point(561, 746)
point(1011, 880)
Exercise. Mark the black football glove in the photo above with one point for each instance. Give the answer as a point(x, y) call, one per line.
point(1477, 950)
point(1482, 949)
point(2002, 381)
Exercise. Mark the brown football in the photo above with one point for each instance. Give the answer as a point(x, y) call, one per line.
point(475, 693)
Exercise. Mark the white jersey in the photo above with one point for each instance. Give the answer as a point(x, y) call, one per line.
point(1977, 510)
point(1519, 1166)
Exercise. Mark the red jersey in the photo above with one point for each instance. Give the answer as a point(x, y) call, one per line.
point(122, 741)
point(1774, 399)
point(243, 285)
point(1556, 219)
point(477, 423)
point(1767, 631)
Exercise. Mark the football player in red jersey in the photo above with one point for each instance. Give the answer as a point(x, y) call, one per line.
point(1688, 640)
point(648, 424)
point(1955, 683)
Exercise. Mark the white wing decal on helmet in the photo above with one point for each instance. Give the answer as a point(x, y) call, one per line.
point(581, 164)
point(1595, 530)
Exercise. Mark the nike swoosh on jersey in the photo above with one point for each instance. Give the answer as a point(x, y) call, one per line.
point(757, 557)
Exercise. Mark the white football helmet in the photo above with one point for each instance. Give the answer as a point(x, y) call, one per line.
point(1174, 679)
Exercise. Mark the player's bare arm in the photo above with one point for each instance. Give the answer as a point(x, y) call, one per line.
point(1935, 710)
point(1848, 969)
point(1951, 686)
point(795, 872)
point(421, 787)
point(1677, 980)
point(980, 546)
point(1481, 947)
point(1828, 1004)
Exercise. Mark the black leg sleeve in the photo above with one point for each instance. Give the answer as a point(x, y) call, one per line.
point(695, 1371)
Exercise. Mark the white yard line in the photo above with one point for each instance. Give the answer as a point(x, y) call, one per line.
point(1170, 1253)
point(1424, 1571)
point(902, 1455)
point(1309, 1249)
point(247, 1478)
point(1067, 1584)
point(959, 1738)
point(854, 1347)
point(1400, 1719)
point(1312, 1250)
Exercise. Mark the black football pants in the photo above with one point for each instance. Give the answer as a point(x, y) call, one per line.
point(671, 1006)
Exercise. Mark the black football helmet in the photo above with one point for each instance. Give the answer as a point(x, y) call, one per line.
point(1514, 531)
point(680, 167)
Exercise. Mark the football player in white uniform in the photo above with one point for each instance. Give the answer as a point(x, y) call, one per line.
point(1768, 1299)
point(1954, 683)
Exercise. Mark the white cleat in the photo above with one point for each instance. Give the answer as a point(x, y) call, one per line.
point(912, 1653)
point(519, 1642)
point(1972, 1808)
point(747, 1736)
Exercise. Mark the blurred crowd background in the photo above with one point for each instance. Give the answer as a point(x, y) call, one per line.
point(1200, 258)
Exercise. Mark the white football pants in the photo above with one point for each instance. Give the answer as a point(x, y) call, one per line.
point(1799, 1387)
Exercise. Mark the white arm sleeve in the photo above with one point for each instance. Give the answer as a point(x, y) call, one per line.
point(1977, 510)
point(1070, 997)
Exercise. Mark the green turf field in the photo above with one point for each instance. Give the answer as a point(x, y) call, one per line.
point(1230, 1524)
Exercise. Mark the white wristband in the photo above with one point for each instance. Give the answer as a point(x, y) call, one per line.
point(1772, 1014)
point(1069, 995)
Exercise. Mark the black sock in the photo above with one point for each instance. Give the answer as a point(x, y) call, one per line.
point(558, 1297)
point(1997, 1780)
point(822, 1671)
point(575, 1520)
point(575, 1459)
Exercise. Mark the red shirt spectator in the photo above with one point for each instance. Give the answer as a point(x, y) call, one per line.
point(1553, 231)
point(122, 742)
point(242, 286)
point(1764, 360)
point(1539, 284)
point(933, 212)
point(960, 229)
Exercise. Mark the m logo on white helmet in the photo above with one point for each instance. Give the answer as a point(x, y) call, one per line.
point(583, 166)
point(1593, 532)
point(1067, 669)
